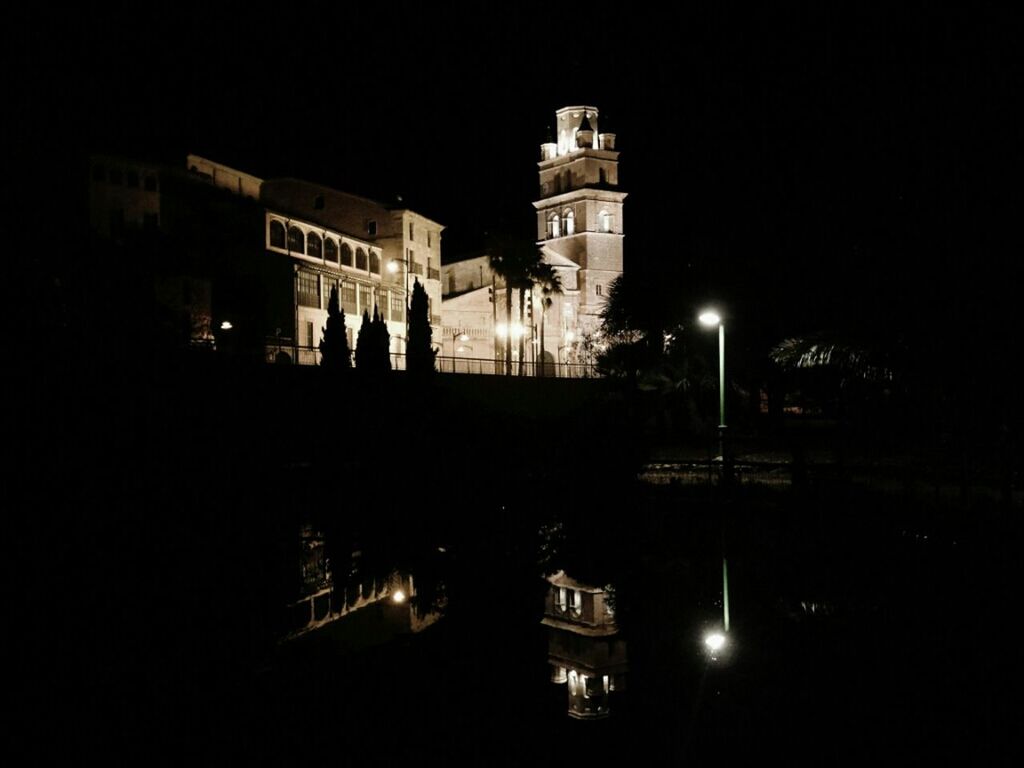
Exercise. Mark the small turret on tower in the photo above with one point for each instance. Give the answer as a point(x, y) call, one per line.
point(572, 120)
point(585, 134)
point(549, 149)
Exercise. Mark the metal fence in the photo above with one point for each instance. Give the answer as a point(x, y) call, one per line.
point(490, 367)
point(286, 353)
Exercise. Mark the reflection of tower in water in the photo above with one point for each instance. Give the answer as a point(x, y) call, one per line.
point(584, 648)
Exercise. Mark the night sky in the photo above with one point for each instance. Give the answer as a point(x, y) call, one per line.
point(819, 167)
point(812, 167)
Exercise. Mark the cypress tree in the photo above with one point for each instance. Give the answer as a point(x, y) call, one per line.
point(419, 354)
point(364, 344)
point(334, 352)
point(381, 343)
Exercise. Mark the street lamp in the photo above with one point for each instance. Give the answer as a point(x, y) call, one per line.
point(459, 335)
point(710, 318)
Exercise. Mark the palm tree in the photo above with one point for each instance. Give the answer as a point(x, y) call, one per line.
point(513, 262)
point(550, 282)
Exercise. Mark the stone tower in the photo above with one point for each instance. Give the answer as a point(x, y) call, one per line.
point(579, 212)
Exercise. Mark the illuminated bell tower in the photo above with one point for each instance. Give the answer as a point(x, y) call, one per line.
point(579, 212)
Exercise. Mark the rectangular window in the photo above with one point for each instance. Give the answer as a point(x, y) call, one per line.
point(429, 239)
point(411, 232)
point(365, 299)
point(328, 284)
point(396, 307)
point(309, 334)
point(308, 289)
point(382, 302)
point(599, 290)
point(371, 227)
point(348, 298)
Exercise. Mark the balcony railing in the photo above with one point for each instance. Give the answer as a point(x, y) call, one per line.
point(435, 320)
point(433, 274)
point(416, 269)
point(283, 351)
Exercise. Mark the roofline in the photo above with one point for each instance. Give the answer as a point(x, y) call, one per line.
point(363, 198)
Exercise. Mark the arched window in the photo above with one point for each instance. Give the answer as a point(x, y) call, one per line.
point(604, 220)
point(568, 221)
point(360, 258)
point(330, 250)
point(554, 229)
point(375, 262)
point(314, 245)
point(276, 234)
point(296, 240)
point(346, 255)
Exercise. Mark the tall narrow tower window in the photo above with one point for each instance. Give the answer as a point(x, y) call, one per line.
point(605, 221)
point(554, 230)
point(568, 221)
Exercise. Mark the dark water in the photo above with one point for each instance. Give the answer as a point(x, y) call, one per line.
point(852, 636)
point(861, 627)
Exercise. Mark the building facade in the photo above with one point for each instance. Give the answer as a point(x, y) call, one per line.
point(250, 263)
point(579, 234)
point(402, 247)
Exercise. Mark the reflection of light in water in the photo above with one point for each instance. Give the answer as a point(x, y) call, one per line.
point(398, 596)
point(714, 641)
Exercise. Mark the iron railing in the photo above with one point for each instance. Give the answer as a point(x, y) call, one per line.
point(284, 351)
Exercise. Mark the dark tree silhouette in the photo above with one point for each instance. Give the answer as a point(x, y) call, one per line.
point(334, 352)
point(419, 354)
point(381, 343)
point(550, 283)
point(364, 344)
point(513, 261)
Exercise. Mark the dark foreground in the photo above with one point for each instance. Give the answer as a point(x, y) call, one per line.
point(863, 626)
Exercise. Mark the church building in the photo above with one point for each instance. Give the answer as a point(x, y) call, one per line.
point(579, 234)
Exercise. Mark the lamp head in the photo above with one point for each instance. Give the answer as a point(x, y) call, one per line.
point(392, 266)
point(710, 318)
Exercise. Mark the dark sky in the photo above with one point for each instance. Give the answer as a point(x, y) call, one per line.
point(828, 152)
